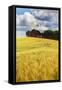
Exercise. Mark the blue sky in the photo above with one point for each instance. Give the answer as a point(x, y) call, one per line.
point(22, 10)
point(39, 19)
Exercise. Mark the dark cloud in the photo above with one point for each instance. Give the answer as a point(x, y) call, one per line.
point(40, 19)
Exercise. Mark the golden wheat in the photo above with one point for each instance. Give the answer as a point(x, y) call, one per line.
point(36, 59)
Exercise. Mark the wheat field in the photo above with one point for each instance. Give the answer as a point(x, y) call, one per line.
point(36, 59)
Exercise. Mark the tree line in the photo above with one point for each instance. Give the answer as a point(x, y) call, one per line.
point(46, 34)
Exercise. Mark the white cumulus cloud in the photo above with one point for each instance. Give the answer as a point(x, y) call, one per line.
point(38, 19)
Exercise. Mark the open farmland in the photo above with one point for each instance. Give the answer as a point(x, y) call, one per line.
point(36, 59)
